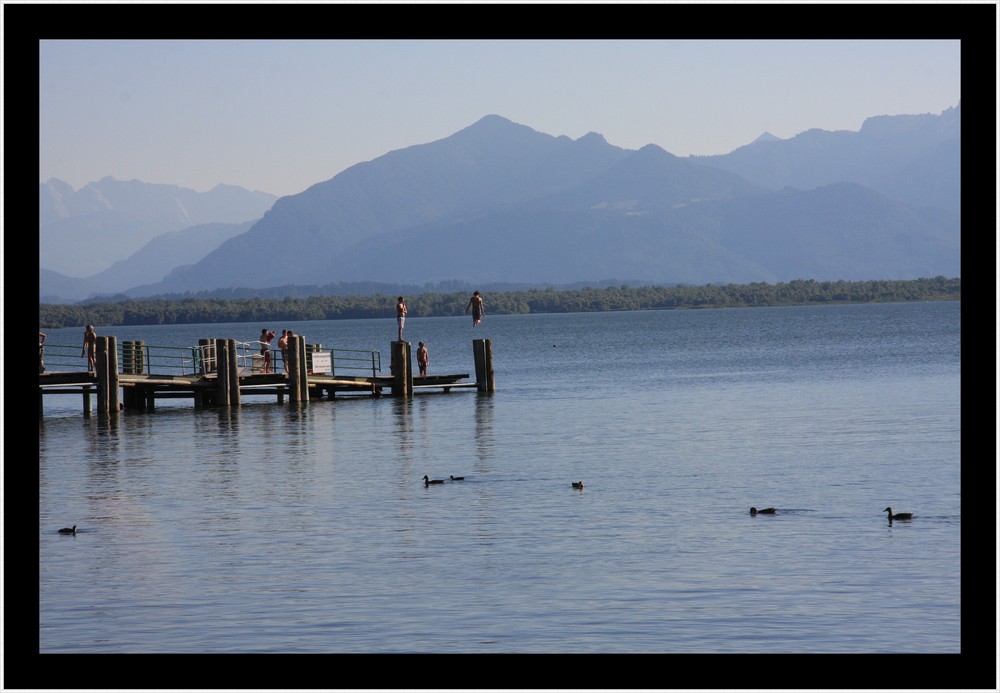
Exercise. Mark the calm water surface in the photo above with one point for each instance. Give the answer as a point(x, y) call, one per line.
point(281, 528)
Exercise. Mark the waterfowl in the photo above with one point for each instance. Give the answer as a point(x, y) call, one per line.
point(578, 484)
point(428, 481)
point(458, 478)
point(763, 511)
point(898, 516)
point(68, 530)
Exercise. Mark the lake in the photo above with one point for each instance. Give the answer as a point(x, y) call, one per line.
point(306, 528)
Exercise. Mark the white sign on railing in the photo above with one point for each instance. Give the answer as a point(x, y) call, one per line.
point(321, 363)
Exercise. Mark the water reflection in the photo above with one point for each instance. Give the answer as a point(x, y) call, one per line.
point(484, 426)
point(403, 425)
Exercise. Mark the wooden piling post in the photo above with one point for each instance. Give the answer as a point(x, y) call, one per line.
point(222, 379)
point(101, 369)
point(234, 374)
point(128, 398)
point(402, 370)
point(113, 398)
point(303, 370)
point(294, 383)
point(482, 351)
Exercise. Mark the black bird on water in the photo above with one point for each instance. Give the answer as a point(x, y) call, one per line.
point(428, 481)
point(898, 516)
point(763, 511)
point(458, 478)
point(68, 530)
point(578, 484)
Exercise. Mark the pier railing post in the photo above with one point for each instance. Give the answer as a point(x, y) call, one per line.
point(402, 370)
point(206, 356)
point(128, 356)
point(139, 357)
point(482, 352)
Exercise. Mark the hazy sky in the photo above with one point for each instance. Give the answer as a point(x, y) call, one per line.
point(281, 115)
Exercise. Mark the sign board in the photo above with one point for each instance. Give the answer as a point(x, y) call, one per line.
point(321, 363)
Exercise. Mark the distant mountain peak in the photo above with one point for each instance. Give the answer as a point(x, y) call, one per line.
point(593, 138)
point(655, 150)
point(766, 137)
point(493, 118)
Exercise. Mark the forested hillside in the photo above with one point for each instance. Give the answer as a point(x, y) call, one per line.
point(798, 292)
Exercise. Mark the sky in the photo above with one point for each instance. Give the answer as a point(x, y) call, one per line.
point(281, 115)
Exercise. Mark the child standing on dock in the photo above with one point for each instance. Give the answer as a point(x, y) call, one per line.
point(41, 351)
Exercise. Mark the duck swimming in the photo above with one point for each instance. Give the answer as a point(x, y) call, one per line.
point(428, 481)
point(578, 484)
point(763, 511)
point(458, 478)
point(68, 530)
point(898, 516)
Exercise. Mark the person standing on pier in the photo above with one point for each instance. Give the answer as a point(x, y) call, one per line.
point(478, 309)
point(422, 358)
point(400, 316)
point(41, 351)
point(266, 336)
point(283, 345)
point(90, 348)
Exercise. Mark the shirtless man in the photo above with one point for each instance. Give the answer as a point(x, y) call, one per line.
point(41, 351)
point(90, 348)
point(400, 316)
point(265, 348)
point(283, 345)
point(422, 358)
point(478, 309)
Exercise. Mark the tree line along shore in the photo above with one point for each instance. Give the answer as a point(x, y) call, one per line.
point(189, 310)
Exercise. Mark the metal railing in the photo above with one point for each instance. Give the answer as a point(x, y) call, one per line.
point(355, 360)
point(138, 358)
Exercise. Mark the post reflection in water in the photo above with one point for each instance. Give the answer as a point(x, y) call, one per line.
point(484, 426)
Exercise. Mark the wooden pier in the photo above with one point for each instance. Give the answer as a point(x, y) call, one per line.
point(221, 383)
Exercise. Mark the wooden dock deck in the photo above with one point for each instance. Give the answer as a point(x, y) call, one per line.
point(226, 384)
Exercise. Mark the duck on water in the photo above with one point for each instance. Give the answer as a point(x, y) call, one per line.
point(68, 530)
point(763, 511)
point(898, 516)
point(428, 481)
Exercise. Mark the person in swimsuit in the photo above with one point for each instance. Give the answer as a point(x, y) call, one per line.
point(41, 351)
point(478, 309)
point(90, 348)
point(283, 346)
point(400, 316)
point(422, 358)
point(265, 348)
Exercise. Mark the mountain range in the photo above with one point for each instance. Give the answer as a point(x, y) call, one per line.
point(498, 202)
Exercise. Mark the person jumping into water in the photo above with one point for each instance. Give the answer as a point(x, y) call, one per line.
point(478, 308)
